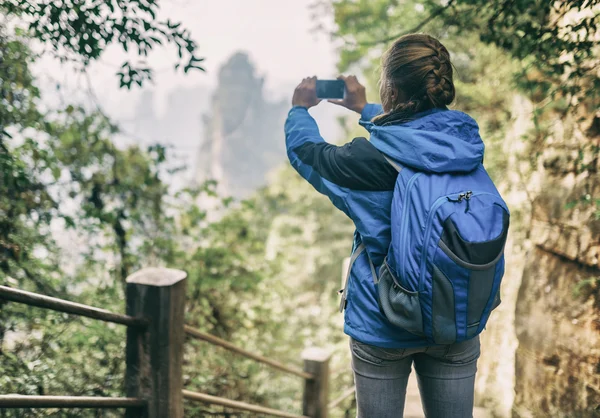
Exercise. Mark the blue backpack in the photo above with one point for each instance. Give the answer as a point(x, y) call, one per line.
point(441, 277)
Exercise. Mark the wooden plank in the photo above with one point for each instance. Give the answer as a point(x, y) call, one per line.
point(155, 356)
point(243, 406)
point(60, 305)
point(316, 391)
point(257, 357)
point(25, 401)
point(345, 395)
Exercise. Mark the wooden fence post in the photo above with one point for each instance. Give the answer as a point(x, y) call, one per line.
point(154, 355)
point(316, 391)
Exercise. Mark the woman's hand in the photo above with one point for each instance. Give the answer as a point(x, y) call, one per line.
point(306, 93)
point(356, 95)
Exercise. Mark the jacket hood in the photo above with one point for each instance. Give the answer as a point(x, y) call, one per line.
point(438, 141)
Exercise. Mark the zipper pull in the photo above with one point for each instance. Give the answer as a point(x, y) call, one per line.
point(463, 196)
point(460, 198)
point(467, 198)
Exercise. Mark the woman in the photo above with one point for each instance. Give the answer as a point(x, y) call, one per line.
point(415, 89)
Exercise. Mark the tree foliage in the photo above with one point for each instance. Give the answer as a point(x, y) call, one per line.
point(81, 30)
point(63, 180)
point(556, 41)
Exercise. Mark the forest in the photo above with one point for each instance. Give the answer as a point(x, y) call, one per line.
point(264, 253)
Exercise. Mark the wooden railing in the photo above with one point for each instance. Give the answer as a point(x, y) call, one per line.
point(347, 394)
point(23, 401)
point(155, 305)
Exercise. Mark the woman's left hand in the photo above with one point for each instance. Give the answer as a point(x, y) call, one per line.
point(306, 93)
point(355, 97)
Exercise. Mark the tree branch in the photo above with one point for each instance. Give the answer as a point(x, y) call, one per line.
point(437, 12)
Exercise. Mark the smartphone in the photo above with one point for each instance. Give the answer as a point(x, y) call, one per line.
point(330, 89)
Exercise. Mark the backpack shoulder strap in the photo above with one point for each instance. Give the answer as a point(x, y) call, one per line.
point(397, 166)
point(344, 291)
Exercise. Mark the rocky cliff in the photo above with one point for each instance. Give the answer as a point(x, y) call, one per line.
point(541, 350)
point(243, 132)
point(557, 316)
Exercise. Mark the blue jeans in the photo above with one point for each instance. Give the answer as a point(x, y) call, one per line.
point(446, 377)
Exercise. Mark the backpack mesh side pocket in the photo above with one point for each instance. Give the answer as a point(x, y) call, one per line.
point(400, 306)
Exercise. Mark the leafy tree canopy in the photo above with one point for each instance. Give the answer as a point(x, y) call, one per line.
point(81, 30)
point(557, 41)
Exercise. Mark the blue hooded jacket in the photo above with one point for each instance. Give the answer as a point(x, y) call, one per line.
point(360, 181)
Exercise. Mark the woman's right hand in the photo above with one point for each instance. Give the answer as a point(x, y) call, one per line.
point(355, 97)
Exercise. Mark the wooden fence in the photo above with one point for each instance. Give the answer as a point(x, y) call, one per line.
point(155, 305)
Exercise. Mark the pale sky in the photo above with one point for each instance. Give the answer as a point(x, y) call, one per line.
point(279, 35)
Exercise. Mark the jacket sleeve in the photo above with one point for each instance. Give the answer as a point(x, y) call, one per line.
point(301, 129)
point(335, 170)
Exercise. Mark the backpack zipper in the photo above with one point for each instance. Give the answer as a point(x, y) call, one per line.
point(439, 202)
point(404, 224)
point(432, 211)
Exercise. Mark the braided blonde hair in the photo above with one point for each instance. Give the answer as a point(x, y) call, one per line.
point(419, 67)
